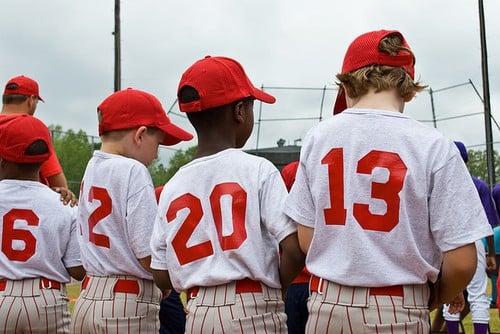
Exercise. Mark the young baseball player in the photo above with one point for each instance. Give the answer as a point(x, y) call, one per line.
point(220, 218)
point(479, 304)
point(116, 215)
point(38, 234)
point(383, 202)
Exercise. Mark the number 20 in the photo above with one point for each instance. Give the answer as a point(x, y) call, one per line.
point(204, 249)
point(388, 192)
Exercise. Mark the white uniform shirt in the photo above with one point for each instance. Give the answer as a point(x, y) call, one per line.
point(220, 218)
point(116, 214)
point(37, 231)
point(386, 196)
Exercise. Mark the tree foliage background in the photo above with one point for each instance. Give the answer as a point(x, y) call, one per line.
point(477, 164)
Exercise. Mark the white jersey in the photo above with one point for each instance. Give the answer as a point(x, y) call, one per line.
point(220, 219)
point(386, 196)
point(116, 214)
point(37, 231)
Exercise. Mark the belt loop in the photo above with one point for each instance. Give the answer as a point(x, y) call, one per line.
point(320, 286)
point(44, 281)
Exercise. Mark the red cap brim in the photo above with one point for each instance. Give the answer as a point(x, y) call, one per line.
point(174, 134)
point(263, 96)
point(340, 102)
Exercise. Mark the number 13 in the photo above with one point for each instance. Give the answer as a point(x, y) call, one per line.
point(388, 192)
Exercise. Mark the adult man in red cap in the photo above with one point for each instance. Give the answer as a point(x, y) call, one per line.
point(21, 95)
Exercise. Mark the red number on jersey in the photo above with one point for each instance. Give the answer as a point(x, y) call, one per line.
point(388, 191)
point(189, 254)
point(101, 212)
point(9, 234)
point(184, 253)
point(239, 206)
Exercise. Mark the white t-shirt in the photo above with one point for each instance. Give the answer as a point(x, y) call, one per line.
point(220, 219)
point(386, 196)
point(116, 214)
point(38, 233)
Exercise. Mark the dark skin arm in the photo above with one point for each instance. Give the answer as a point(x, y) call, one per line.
point(67, 196)
point(491, 261)
point(162, 281)
point(77, 272)
point(57, 180)
point(292, 260)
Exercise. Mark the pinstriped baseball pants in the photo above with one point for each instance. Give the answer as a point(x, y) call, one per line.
point(27, 308)
point(99, 309)
point(352, 310)
point(220, 309)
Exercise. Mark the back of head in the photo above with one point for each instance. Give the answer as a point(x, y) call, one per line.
point(379, 60)
point(24, 139)
point(463, 151)
point(19, 88)
point(214, 82)
point(131, 108)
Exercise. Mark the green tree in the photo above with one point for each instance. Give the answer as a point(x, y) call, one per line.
point(162, 174)
point(158, 173)
point(74, 150)
point(477, 164)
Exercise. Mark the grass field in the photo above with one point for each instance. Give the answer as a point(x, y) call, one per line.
point(74, 290)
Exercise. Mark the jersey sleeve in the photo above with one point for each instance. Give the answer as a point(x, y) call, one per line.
point(141, 211)
point(71, 257)
point(454, 202)
point(50, 167)
point(158, 243)
point(272, 201)
point(299, 204)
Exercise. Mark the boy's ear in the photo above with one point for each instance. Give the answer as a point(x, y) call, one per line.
point(239, 112)
point(139, 133)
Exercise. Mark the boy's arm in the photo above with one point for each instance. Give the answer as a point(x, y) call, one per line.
point(491, 262)
point(77, 272)
point(459, 265)
point(292, 260)
point(305, 235)
point(162, 281)
point(145, 263)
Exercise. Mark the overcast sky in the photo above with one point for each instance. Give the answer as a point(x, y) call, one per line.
point(68, 47)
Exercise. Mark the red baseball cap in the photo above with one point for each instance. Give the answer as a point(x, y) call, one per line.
point(130, 108)
point(17, 133)
point(364, 51)
point(22, 85)
point(218, 81)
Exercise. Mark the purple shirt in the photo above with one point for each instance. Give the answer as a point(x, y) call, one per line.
point(487, 199)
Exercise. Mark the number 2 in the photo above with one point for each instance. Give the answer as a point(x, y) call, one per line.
point(99, 213)
point(388, 191)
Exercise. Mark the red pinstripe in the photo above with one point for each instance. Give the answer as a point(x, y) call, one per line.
point(349, 321)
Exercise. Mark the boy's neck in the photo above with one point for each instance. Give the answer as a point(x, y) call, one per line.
point(20, 177)
point(384, 100)
point(214, 141)
point(114, 148)
point(206, 150)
